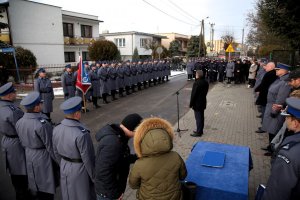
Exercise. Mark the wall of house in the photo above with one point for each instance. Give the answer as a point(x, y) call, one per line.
point(37, 27)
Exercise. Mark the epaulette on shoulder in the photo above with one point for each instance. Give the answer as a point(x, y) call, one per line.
point(289, 145)
point(82, 129)
point(12, 107)
point(42, 120)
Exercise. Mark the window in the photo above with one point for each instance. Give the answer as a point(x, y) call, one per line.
point(85, 56)
point(68, 30)
point(69, 56)
point(144, 42)
point(86, 31)
point(120, 42)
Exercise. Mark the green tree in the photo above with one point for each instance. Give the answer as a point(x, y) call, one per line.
point(282, 18)
point(165, 53)
point(193, 46)
point(26, 62)
point(135, 55)
point(174, 48)
point(103, 50)
point(118, 57)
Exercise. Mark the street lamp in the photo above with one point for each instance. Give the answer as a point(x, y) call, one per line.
point(200, 38)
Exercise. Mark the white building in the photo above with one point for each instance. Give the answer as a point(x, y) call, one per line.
point(55, 36)
point(128, 41)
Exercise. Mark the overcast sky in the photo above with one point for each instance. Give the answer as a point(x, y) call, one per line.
point(181, 16)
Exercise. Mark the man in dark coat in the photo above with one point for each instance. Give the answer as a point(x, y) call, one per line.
point(263, 88)
point(113, 157)
point(198, 101)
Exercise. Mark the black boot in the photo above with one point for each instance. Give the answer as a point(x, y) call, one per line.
point(121, 92)
point(104, 96)
point(113, 95)
point(95, 103)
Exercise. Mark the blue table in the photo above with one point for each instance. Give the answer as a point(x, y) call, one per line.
point(229, 182)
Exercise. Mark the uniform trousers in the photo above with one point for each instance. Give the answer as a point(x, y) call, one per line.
point(199, 116)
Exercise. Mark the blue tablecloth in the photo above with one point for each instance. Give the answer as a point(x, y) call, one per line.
point(229, 182)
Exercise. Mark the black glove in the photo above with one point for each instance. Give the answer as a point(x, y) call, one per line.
point(66, 94)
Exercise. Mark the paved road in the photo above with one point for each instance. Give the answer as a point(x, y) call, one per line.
point(157, 101)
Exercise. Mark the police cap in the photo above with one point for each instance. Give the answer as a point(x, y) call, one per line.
point(293, 107)
point(282, 66)
point(7, 89)
point(31, 100)
point(71, 105)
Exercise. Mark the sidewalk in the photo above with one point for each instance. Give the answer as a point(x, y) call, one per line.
point(230, 118)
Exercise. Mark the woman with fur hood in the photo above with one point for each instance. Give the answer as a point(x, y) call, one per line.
point(158, 171)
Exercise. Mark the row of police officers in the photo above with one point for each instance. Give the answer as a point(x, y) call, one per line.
point(111, 78)
point(219, 69)
point(39, 157)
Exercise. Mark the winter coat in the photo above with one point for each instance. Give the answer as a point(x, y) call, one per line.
point(263, 88)
point(198, 95)
point(35, 133)
point(284, 179)
point(230, 70)
point(252, 71)
point(68, 81)
point(113, 159)
point(44, 87)
point(72, 140)
point(158, 171)
point(277, 94)
point(103, 75)
point(95, 81)
point(14, 153)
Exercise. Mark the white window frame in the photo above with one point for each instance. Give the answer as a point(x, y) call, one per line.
point(120, 42)
point(144, 42)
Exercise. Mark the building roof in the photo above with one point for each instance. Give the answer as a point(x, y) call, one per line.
point(80, 15)
point(133, 32)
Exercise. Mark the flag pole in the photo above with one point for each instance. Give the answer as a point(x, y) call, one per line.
point(84, 102)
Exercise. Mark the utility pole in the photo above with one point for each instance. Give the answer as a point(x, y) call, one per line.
point(200, 37)
point(211, 36)
point(243, 49)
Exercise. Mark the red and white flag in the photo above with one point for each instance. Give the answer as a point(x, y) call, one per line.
point(83, 82)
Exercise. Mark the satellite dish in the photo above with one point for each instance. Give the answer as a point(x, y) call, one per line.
point(159, 50)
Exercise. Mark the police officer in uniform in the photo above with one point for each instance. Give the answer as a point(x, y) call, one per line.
point(284, 181)
point(112, 81)
point(14, 153)
point(43, 85)
point(68, 81)
point(104, 87)
point(120, 79)
point(73, 148)
point(35, 134)
point(95, 89)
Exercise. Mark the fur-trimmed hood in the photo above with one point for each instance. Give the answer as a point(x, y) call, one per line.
point(153, 136)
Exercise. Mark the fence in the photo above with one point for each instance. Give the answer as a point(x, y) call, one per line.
point(290, 57)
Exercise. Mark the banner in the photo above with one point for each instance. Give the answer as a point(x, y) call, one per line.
point(83, 82)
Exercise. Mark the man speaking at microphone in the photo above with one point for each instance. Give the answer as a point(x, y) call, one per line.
point(198, 102)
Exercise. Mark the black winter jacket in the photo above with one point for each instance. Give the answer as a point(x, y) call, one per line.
point(198, 96)
point(263, 88)
point(113, 159)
